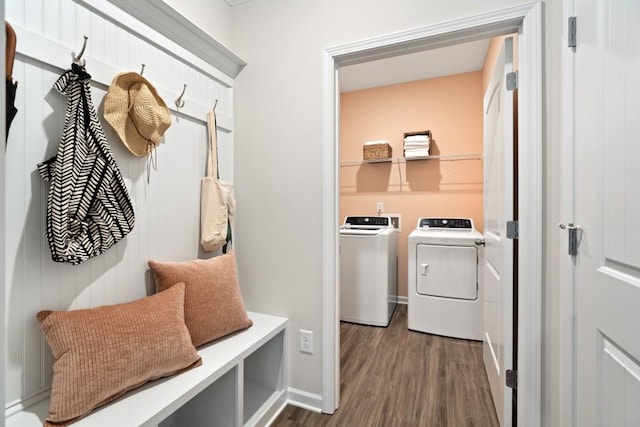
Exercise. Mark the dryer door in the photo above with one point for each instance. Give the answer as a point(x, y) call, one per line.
point(447, 271)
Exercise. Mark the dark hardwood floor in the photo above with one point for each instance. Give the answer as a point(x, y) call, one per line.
point(396, 377)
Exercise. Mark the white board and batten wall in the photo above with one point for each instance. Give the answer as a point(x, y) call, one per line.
point(167, 208)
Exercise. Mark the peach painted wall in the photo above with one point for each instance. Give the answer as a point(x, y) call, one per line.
point(492, 55)
point(451, 108)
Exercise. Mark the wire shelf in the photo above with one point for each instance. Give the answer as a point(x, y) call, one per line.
point(447, 157)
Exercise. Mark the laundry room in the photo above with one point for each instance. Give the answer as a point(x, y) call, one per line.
point(417, 146)
point(448, 182)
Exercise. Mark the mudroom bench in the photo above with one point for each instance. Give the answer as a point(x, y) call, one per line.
point(242, 382)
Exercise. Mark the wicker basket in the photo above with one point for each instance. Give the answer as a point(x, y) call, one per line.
point(376, 151)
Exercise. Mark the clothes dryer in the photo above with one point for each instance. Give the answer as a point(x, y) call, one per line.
point(368, 270)
point(444, 283)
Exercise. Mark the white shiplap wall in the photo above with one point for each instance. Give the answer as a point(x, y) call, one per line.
point(166, 209)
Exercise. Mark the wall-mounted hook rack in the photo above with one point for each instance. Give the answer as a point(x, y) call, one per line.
point(179, 100)
point(78, 59)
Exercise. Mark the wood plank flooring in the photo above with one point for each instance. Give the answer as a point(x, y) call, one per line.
point(396, 377)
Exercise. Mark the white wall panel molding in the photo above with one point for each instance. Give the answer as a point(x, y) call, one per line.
point(174, 34)
point(158, 37)
point(165, 20)
point(52, 53)
point(167, 207)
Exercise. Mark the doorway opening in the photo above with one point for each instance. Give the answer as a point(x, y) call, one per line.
point(526, 21)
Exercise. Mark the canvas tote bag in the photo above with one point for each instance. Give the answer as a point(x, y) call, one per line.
point(217, 204)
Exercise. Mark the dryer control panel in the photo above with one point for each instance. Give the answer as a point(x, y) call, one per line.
point(446, 223)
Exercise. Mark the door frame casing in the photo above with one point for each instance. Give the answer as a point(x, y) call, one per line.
point(566, 272)
point(526, 19)
point(3, 221)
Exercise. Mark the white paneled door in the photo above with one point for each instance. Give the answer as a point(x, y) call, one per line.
point(497, 262)
point(607, 210)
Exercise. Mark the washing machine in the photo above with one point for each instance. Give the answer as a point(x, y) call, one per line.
point(443, 278)
point(368, 270)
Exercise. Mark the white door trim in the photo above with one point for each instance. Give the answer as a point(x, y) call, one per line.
point(566, 271)
point(3, 282)
point(527, 20)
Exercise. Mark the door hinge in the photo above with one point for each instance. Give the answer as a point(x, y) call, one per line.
point(512, 80)
point(512, 378)
point(571, 32)
point(512, 230)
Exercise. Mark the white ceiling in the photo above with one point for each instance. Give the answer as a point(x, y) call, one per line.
point(456, 59)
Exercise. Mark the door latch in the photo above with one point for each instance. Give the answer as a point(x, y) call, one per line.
point(573, 237)
point(425, 269)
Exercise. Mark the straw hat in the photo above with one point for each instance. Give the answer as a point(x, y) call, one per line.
point(136, 112)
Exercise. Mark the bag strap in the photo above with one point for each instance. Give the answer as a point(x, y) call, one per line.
point(212, 132)
point(212, 163)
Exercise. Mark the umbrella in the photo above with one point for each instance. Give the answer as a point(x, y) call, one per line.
point(11, 85)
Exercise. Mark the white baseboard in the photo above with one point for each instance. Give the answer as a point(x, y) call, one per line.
point(300, 399)
point(276, 413)
point(402, 300)
point(305, 400)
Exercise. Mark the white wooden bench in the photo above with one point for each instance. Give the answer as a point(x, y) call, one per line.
point(242, 382)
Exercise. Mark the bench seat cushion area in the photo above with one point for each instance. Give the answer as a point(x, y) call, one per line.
point(101, 353)
point(155, 401)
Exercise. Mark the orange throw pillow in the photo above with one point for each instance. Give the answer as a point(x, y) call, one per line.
point(213, 305)
point(101, 353)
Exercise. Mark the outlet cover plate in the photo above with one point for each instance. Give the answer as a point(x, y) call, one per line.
point(306, 341)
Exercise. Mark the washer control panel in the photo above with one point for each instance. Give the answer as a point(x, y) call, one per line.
point(371, 221)
point(446, 223)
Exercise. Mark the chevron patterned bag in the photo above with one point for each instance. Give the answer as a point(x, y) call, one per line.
point(88, 206)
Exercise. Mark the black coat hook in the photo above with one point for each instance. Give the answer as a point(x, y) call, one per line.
point(215, 105)
point(142, 69)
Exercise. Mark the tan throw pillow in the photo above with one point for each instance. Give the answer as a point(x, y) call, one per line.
point(101, 353)
point(213, 305)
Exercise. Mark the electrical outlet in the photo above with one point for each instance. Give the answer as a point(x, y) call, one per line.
point(379, 207)
point(306, 341)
